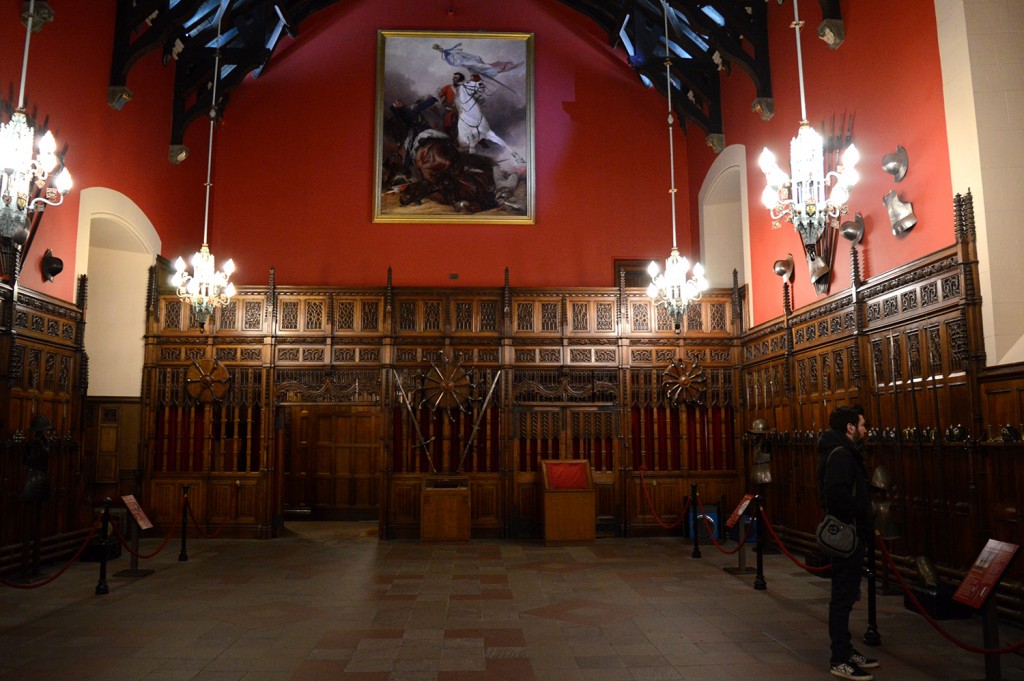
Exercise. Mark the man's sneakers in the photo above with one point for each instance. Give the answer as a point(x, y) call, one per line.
point(850, 670)
point(863, 661)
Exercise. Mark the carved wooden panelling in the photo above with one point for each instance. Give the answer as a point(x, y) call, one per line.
point(929, 294)
point(229, 316)
point(347, 355)
point(908, 300)
point(314, 315)
point(370, 319)
point(406, 316)
point(664, 356)
point(640, 317)
point(524, 317)
point(694, 317)
point(580, 317)
point(463, 316)
point(489, 315)
point(642, 356)
point(345, 316)
point(579, 355)
point(251, 355)
point(172, 314)
point(313, 355)
point(549, 355)
point(950, 287)
point(225, 354)
point(718, 318)
point(525, 356)
point(288, 315)
point(605, 317)
point(431, 315)
point(549, 317)
point(664, 322)
point(253, 319)
point(890, 307)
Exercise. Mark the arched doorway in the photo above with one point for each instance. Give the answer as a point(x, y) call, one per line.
point(724, 222)
point(117, 245)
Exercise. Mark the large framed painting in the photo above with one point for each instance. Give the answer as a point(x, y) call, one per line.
point(454, 128)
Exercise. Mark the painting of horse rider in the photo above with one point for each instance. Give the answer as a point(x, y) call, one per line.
point(454, 130)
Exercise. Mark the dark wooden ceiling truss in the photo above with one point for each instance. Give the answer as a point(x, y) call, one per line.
point(708, 38)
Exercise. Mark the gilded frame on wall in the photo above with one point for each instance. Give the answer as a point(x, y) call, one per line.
point(454, 128)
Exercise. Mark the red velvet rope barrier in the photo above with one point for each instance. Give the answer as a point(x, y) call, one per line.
point(782, 547)
point(931, 620)
point(215, 533)
point(124, 542)
point(74, 559)
point(650, 505)
point(711, 532)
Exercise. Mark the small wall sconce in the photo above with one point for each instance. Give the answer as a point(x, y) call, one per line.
point(52, 265)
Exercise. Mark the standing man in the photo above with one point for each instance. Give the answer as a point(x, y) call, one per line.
point(844, 491)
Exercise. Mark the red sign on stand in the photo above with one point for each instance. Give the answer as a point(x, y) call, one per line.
point(738, 511)
point(984, 575)
point(136, 510)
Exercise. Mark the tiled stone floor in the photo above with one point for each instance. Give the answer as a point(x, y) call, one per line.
point(328, 601)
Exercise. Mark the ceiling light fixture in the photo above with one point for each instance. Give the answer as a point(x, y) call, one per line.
point(206, 289)
point(675, 288)
point(25, 181)
point(801, 199)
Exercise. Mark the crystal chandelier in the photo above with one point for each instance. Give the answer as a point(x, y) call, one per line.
point(21, 175)
point(206, 288)
point(678, 286)
point(803, 199)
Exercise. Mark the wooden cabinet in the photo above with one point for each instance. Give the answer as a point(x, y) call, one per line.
point(445, 512)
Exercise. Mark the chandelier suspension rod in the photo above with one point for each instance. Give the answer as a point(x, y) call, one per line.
point(671, 147)
point(797, 25)
point(213, 121)
point(24, 58)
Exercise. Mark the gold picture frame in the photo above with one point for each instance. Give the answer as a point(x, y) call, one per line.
point(454, 128)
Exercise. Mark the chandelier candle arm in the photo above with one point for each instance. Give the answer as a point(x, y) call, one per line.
point(206, 288)
point(675, 288)
point(19, 171)
point(808, 198)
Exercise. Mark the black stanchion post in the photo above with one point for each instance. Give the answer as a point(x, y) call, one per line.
point(695, 520)
point(101, 585)
point(183, 556)
point(990, 638)
point(759, 582)
point(871, 636)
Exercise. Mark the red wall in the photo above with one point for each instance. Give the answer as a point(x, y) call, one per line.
point(292, 185)
point(601, 160)
point(886, 74)
point(68, 73)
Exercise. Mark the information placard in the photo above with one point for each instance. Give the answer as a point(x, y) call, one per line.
point(136, 510)
point(984, 575)
point(738, 511)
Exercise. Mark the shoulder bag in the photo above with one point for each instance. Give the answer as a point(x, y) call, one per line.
point(836, 538)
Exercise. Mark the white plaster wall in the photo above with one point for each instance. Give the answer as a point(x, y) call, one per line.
point(724, 222)
point(116, 246)
point(116, 321)
point(982, 54)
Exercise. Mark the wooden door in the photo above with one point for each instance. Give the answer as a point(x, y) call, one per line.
point(332, 462)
